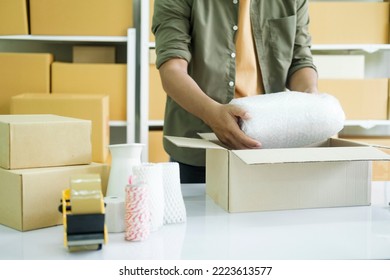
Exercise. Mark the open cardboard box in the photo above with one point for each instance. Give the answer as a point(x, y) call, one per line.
point(332, 173)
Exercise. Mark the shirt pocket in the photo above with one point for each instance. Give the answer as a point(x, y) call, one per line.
point(282, 36)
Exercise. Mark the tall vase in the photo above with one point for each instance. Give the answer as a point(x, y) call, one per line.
point(123, 158)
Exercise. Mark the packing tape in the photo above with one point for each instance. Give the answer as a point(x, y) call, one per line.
point(86, 194)
point(115, 214)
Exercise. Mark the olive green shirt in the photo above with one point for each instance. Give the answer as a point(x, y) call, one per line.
point(203, 33)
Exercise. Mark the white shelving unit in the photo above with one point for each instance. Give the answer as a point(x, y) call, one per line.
point(143, 87)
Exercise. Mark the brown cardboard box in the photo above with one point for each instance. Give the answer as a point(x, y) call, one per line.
point(361, 99)
point(107, 79)
point(93, 54)
point(349, 22)
point(156, 149)
point(13, 17)
point(380, 169)
point(334, 173)
point(75, 17)
point(157, 95)
point(30, 141)
point(81, 106)
point(29, 198)
point(23, 72)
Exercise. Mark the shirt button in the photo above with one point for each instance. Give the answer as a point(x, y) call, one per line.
point(233, 55)
point(231, 83)
point(235, 27)
point(235, 1)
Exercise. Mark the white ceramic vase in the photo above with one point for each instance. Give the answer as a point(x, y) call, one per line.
point(123, 158)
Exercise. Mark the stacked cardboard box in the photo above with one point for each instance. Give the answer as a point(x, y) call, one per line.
point(38, 155)
point(361, 99)
point(82, 106)
point(75, 17)
point(13, 17)
point(23, 72)
point(349, 22)
point(93, 78)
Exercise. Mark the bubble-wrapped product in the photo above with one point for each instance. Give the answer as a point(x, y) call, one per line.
point(291, 119)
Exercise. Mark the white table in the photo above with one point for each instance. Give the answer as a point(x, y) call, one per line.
point(211, 233)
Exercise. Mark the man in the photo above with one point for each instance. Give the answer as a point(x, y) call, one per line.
point(211, 51)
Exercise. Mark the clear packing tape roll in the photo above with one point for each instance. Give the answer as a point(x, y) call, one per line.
point(86, 194)
point(291, 119)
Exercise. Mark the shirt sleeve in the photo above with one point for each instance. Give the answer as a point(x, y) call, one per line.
point(171, 27)
point(302, 56)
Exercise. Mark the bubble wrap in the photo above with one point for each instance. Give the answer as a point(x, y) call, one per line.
point(291, 119)
point(151, 175)
point(174, 211)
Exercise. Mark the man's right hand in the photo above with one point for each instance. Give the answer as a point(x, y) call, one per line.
point(224, 119)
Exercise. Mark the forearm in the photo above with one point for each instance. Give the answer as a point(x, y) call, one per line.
point(304, 80)
point(184, 90)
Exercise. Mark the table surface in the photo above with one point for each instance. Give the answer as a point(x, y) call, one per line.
point(210, 233)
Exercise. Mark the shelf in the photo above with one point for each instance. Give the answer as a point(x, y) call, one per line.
point(110, 39)
point(364, 128)
point(369, 48)
point(155, 123)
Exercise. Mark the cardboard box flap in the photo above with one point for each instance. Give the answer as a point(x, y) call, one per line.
point(301, 155)
point(193, 143)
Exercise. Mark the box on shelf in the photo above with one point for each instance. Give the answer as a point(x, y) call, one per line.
point(23, 72)
point(29, 198)
point(107, 79)
point(87, 17)
point(349, 22)
point(361, 99)
point(82, 106)
point(93, 54)
point(334, 173)
point(156, 149)
point(157, 95)
point(340, 66)
point(13, 17)
point(380, 169)
point(30, 141)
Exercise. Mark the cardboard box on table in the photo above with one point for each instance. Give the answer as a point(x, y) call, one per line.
point(29, 198)
point(13, 17)
point(81, 106)
point(380, 169)
point(75, 17)
point(331, 174)
point(23, 72)
point(30, 141)
point(349, 22)
point(374, 133)
point(94, 78)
